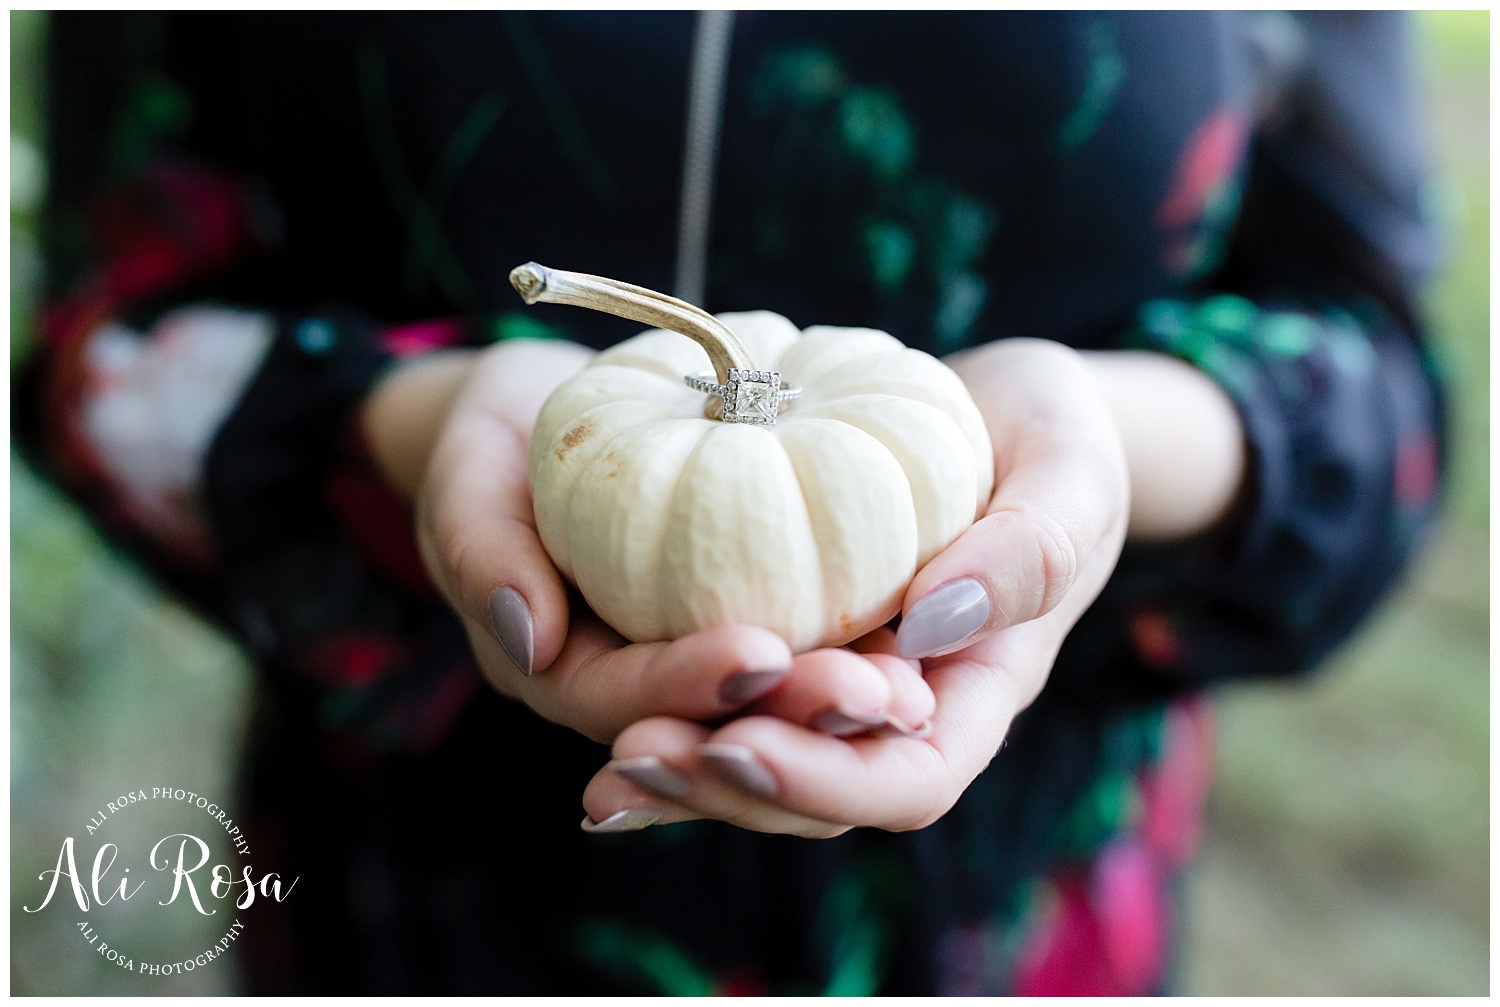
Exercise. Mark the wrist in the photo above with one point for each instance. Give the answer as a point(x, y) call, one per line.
point(405, 410)
point(1184, 443)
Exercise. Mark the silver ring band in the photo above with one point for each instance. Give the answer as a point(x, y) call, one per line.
point(706, 381)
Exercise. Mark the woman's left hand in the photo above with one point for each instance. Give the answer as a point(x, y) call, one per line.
point(985, 617)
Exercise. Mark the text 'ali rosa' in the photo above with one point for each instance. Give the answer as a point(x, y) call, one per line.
point(181, 856)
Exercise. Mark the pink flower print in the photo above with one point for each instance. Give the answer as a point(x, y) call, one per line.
point(1416, 471)
point(354, 659)
point(1128, 892)
point(1064, 954)
point(1204, 194)
point(1155, 638)
point(1205, 165)
point(740, 983)
point(1175, 791)
point(1101, 934)
point(420, 337)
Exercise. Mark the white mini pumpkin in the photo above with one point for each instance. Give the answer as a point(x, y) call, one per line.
point(669, 521)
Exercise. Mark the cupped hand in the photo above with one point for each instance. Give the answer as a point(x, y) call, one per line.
point(479, 541)
point(986, 617)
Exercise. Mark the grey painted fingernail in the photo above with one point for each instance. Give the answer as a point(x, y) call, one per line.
point(840, 722)
point(650, 773)
point(740, 688)
point(945, 617)
point(739, 766)
point(629, 820)
point(510, 621)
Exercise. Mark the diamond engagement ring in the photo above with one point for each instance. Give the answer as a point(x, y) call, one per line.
point(750, 396)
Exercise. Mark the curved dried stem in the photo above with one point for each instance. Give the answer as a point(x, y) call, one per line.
point(535, 282)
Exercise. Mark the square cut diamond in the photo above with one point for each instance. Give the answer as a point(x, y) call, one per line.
point(753, 396)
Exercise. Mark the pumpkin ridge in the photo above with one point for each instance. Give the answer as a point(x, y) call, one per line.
point(920, 381)
point(886, 564)
point(890, 417)
point(639, 372)
point(559, 481)
point(636, 355)
point(673, 613)
point(823, 349)
point(630, 453)
point(726, 548)
point(817, 550)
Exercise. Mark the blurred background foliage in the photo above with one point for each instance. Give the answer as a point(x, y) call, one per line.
point(112, 685)
point(1348, 842)
point(1348, 845)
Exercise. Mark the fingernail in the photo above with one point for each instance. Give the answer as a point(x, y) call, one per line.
point(510, 621)
point(893, 728)
point(839, 722)
point(629, 820)
point(945, 617)
point(740, 688)
point(650, 773)
point(739, 766)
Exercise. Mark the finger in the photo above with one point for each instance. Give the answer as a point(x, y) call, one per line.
point(882, 640)
point(767, 774)
point(613, 803)
point(660, 758)
point(912, 700)
point(832, 690)
point(891, 783)
point(598, 685)
point(773, 776)
point(841, 693)
point(1062, 491)
point(479, 540)
point(988, 682)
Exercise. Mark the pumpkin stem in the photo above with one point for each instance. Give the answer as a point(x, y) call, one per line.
point(535, 282)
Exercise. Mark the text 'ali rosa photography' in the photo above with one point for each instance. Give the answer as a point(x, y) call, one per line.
point(191, 857)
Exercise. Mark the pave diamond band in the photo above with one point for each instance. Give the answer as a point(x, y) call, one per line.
point(704, 382)
point(750, 396)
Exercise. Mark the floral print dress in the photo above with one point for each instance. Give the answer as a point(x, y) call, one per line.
point(252, 215)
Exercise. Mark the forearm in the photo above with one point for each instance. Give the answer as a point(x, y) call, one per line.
point(1183, 442)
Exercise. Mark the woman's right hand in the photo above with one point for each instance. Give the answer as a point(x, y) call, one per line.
point(452, 432)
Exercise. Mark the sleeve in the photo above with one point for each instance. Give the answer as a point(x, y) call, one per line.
point(1310, 326)
point(209, 426)
point(157, 404)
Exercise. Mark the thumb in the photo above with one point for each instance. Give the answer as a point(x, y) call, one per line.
point(1061, 502)
point(479, 540)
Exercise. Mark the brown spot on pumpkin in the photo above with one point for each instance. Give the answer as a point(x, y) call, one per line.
point(572, 439)
point(846, 624)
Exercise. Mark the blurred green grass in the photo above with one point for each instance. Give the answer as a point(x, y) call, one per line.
point(112, 684)
point(1348, 846)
